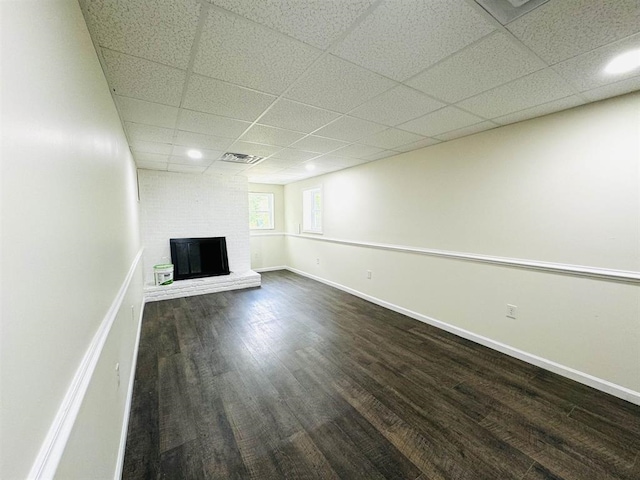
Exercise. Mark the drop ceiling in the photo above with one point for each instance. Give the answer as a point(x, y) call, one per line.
point(316, 86)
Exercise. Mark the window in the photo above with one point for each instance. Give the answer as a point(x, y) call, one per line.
point(312, 210)
point(260, 211)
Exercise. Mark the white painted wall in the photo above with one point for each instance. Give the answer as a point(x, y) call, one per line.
point(182, 205)
point(69, 226)
point(267, 246)
point(563, 188)
point(99, 433)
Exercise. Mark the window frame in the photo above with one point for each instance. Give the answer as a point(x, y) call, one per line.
point(271, 211)
point(307, 216)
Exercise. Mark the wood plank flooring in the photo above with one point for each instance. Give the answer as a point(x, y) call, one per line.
point(299, 380)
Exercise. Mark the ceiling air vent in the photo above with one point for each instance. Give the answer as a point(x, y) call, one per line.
point(506, 11)
point(240, 158)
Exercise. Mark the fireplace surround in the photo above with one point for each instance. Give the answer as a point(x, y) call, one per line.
point(180, 205)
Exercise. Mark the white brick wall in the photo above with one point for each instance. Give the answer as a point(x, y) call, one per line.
point(202, 286)
point(180, 205)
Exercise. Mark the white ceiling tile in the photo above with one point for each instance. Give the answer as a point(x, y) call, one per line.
point(211, 124)
point(396, 106)
point(509, 10)
point(391, 138)
point(330, 168)
point(337, 160)
point(427, 142)
point(139, 111)
point(271, 135)
point(148, 133)
point(463, 132)
point(253, 149)
point(316, 22)
point(274, 179)
point(450, 50)
point(614, 89)
point(276, 164)
point(264, 169)
point(214, 96)
point(537, 88)
point(227, 167)
point(159, 30)
point(290, 154)
point(207, 155)
point(444, 120)
point(559, 30)
point(199, 140)
point(540, 110)
point(267, 179)
point(200, 162)
point(586, 71)
point(312, 143)
point(494, 60)
point(150, 157)
point(240, 51)
point(318, 168)
point(152, 165)
point(296, 116)
point(381, 155)
point(357, 150)
point(300, 171)
point(349, 129)
point(151, 147)
point(186, 168)
point(338, 85)
point(286, 179)
point(139, 78)
point(402, 38)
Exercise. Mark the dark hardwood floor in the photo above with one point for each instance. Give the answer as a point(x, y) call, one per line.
point(299, 380)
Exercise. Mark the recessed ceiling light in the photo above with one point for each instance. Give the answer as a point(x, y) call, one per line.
point(624, 62)
point(310, 167)
point(195, 154)
point(506, 11)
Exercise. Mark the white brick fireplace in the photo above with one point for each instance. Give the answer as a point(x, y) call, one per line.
point(181, 205)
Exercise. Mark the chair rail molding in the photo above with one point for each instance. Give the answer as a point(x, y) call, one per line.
point(53, 446)
point(622, 276)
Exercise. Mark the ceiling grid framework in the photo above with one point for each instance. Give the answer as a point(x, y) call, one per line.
point(316, 86)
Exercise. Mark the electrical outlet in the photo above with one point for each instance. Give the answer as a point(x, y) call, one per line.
point(512, 311)
point(317, 261)
point(369, 274)
point(118, 374)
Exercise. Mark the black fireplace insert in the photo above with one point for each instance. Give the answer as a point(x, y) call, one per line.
point(199, 257)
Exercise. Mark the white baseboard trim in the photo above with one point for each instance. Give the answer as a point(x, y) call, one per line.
point(127, 406)
point(568, 372)
point(46, 463)
point(269, 269)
